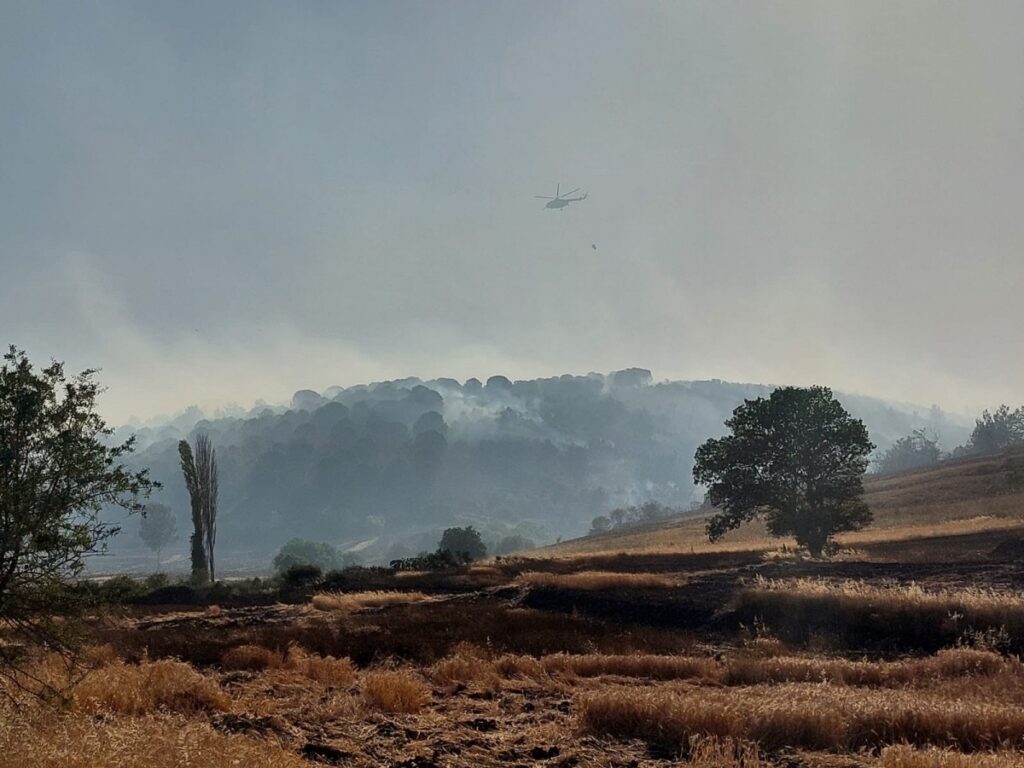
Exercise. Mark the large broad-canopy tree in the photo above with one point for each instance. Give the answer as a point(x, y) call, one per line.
point(796, 459)
point(58, 472)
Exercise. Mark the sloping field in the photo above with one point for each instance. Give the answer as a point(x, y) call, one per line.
point(980, 498)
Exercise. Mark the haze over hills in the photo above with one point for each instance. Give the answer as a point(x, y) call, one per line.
point(381, 468)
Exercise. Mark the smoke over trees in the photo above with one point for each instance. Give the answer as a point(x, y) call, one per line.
point(386, 467)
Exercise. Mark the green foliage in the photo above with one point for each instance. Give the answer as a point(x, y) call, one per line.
point(156, 581)
point(995, 432)
point(301, 575)
point(441, 560)
point(57, 473)
point(914, 451)
point(464, 544)
point(797, 459)
point(200, 471)
point(303, 552)
point(622, 517)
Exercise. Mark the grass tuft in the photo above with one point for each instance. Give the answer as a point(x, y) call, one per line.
point(396, 692)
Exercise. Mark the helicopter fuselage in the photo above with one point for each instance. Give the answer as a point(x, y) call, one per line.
point(557, 203)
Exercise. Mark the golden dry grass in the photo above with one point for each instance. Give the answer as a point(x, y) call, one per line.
point(323, 669)
point(251, 657)
point(597, 580)
point(895, 610)
point(46, 739)
point(158, 686)
point(969, 496)
point(647, 666)
point(466, 665)
point(354, 601)
point(904, 756)
point(815, 716)
point(396, 691)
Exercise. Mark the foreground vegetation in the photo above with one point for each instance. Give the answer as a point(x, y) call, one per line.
point(473, 676)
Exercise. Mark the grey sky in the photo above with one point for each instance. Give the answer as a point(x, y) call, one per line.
point(227, 201)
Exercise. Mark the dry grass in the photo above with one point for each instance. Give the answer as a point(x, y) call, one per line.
point(904, 756)
point(467, 665)
point(354, 601)
point(158, 686)
point(251, 657)
point(397, 692)
point(804, 715)
point(858, 613)
point(961, 497)
point(597, 580)
point(634, 665)
point(45, 739)
point(323, 669)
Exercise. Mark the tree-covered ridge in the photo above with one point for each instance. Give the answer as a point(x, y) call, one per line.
point(537, 458)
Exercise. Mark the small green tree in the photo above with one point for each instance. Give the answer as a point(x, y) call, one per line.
point(463, 543)
point(795, 458)
point(914, 451)
point(58, 472)
point(298, 552)
point(997, 431)
point(157, 528)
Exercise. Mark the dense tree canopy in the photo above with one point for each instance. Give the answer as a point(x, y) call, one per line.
point(58, 471)
point(998, 430)
point(393, 463)
point(916, 450)
point(464, 544)
point(795, 458)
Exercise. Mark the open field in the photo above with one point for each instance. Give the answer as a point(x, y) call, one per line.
point(611, 670)
point(970, 496)
point(900, 654)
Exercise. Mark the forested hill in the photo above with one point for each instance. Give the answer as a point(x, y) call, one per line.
point(386, 462)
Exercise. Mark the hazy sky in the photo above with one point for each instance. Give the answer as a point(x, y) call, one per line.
point(220, 202)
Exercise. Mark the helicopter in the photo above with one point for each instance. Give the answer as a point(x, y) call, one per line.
point(559, 202)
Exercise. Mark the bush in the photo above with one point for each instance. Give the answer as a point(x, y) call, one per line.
point(173, 594)
point(297, 576)
point(303, 552)
point(156, 581)
point(119, 590)
point(441, 560)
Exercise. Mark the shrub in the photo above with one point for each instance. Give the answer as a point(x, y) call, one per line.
point(396, 692)
point(302, 575)
point(173, 594)
point(434, 561)
point(303, 552)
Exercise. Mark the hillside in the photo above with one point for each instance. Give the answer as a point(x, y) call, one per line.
point(979, 498)
point(380, 469)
